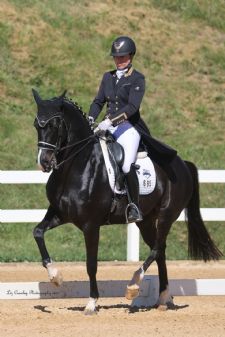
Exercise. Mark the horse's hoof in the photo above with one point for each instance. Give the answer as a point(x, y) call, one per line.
point(165, 301)
point(88, 312)
point(162, 307)
point(57, 279)
point(55, 276)
point(90, 308)
point(132, 292)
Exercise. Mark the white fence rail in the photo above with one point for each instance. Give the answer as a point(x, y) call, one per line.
point(38, 177)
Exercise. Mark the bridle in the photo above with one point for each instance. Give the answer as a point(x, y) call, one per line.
point(57, 147)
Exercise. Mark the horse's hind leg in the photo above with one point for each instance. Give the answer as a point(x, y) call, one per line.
point(165, 298)
point(163, 226)
point(50, 221)
point(154, 235)
point(148, 232)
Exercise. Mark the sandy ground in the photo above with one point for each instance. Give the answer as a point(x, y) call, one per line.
point(200, 316)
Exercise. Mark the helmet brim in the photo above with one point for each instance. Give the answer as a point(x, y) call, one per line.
point(120, 54)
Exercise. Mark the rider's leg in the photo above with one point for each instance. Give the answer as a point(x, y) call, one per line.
point(133, 213)
point(130, 141)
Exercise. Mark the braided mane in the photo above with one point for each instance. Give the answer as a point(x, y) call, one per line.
point(75, 105)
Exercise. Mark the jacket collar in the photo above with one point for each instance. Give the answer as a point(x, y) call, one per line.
point(129, 72)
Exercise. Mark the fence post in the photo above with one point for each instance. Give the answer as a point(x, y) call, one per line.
point(133, 242)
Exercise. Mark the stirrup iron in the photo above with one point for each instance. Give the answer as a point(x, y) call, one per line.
point(135, 218)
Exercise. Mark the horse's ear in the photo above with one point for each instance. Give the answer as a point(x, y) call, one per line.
point(63, 95)
point(36, 96)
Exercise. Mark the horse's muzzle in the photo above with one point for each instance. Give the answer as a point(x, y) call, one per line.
point(46, 160)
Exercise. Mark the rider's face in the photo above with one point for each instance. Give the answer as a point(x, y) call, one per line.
point(122, 61)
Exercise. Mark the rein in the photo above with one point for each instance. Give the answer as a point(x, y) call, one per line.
point(56, 150)
point(88, 139)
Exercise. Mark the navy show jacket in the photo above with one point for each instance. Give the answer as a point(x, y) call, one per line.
point(123, 100)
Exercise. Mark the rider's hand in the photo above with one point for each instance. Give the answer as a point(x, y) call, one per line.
point(91, 120)
point(104, 125)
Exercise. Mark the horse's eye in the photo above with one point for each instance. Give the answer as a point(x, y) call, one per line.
point(54, 123)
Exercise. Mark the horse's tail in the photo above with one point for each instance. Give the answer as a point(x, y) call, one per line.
point(200, 244)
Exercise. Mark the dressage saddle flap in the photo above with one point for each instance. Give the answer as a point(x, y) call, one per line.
point(117, 151)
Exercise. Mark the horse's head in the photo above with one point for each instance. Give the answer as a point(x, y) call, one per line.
point(50, 127)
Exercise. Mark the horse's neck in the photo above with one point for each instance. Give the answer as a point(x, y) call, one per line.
point(78, 134)
point(79, 143)
point(77, 126)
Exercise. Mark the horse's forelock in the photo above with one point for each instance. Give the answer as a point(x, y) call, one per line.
point(48, 109)
point(58, 106)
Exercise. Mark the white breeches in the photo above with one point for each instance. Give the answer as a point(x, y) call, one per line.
point(129, 140)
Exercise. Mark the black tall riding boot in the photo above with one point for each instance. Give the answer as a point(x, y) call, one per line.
point(133, 213)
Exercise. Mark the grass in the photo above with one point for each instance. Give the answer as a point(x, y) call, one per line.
point(66, 243)
point(211, 12)
point(54, 45)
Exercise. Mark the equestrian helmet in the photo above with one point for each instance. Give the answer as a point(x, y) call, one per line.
point(123, 45)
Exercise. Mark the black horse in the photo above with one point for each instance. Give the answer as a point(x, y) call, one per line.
point(78, 191)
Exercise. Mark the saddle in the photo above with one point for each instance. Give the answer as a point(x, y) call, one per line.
point(116, 157)
point(113, 154)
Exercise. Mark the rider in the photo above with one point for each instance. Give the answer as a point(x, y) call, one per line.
point(122, 90)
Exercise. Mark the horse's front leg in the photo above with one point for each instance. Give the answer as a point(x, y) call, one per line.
point(91, 236)
point(50, 221)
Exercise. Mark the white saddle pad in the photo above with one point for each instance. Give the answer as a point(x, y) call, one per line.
point(146, 172)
